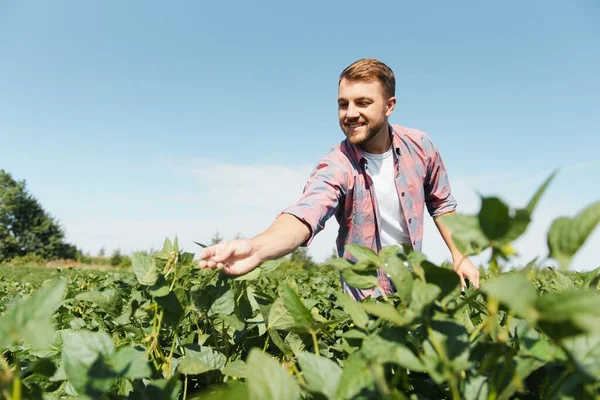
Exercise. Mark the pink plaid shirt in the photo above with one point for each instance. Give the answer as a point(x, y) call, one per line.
point(340, 186)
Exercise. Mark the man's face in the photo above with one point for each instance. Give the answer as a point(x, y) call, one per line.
point(363, 109)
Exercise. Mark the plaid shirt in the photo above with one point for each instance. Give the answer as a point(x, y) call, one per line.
point(340, 186)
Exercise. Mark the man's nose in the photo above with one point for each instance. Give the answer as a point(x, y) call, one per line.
point(352, 112)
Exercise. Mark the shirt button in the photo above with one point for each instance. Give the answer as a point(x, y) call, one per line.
point(410, 220)
point(402, 194)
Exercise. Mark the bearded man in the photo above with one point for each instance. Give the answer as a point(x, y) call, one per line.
point(377, 183)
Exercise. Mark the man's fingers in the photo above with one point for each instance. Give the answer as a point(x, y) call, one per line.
point(218, 252)
point(223, 252)
point(207, 253)
point(475, 279)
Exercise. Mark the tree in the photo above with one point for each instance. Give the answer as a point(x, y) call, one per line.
point(25, 228)
point(301, 256)
point(217, 238)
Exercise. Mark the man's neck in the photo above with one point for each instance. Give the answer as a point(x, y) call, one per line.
point(380, 143)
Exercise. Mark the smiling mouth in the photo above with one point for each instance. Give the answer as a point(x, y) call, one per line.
point(355, 126)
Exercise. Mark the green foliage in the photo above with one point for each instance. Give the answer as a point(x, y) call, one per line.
point(497, 226)
point(25, 228)
point(165, 329)
point(567, 235)
point(118, 259)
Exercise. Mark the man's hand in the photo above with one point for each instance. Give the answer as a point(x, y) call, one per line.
point(465, 269)
point(240, 256)
point(235, 257)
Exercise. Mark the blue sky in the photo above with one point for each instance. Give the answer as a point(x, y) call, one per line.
point(132, 122)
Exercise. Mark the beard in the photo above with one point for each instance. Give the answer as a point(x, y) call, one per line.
point(364, 134)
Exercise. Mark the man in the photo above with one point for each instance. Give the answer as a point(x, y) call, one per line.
point(377, 183)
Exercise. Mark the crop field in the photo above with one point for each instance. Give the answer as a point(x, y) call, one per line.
point(164, 329)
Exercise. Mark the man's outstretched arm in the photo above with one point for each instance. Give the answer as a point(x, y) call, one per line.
point(240, 256)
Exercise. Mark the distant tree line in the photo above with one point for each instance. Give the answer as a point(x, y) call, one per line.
point(28, 234)
point(25, 228)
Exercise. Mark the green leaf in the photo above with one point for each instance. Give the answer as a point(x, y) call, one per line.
point(363, 254)
point(494, 218)
point(466, 233)
point(267, 380)
point(562, 282)
point(569, 313)
point(232, 390)
point(476, 388)
point(387, 312)
point(224, 305)
point(160, 288)
point(398, 271)
point(585, 352)
point(302, 317)
point(538, 194)
point(516, 292)
point(321, 374)
point(200, 360)
point(524, 368)
point(359, 280)
point(250, 276)
point(29, 319)
point(353, 309)
point(131, 363)
point(144, 268)
point(446, 279)
point(356, 376)
point(567, 235)
point(518, 225)
point(190, 365)
point(172, 307)
point(295, 343)
point(339, 263)
point(279, 316)
point(269, 266)
point(85, 357)
point(423, 295)
point(159, 389)
point(167, 247)
point(107, 300)
point(382, 351)
point(236, 368)
point(454, 338)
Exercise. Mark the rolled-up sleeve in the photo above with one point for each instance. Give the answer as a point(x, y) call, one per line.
point(438, 195)
point(320, 198)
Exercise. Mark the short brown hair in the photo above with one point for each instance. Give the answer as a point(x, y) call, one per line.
point(370, 69)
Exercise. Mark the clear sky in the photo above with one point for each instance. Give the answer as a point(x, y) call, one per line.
point(135, 121)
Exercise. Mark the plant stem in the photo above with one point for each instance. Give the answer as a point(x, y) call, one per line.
point(298, 375)
point(170, 361)
point(185, 388)
point(16, 388)
point(266, 344)
point(379, 378)
point(315, 343)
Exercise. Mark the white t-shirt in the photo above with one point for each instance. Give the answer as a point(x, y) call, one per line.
point(391, 220)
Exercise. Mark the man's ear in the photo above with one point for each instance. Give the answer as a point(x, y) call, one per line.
point(390, 105)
